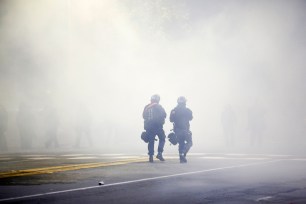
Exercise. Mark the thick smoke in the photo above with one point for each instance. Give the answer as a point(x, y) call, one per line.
point(109, 57)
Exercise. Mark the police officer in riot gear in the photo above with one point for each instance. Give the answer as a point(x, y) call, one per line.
point(180, 117)
point(154, 118)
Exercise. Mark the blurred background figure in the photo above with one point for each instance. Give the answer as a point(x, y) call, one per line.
point(229, 120)
point(83, 125)
point(3, 128)
point(256, 124)
point(51, 125)
point(25, 123)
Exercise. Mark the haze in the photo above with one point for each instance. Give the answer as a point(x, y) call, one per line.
point(109, 57)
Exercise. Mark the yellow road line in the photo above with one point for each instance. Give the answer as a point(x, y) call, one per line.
point(54, 169)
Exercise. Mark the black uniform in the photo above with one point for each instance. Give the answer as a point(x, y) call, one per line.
point(180, 117)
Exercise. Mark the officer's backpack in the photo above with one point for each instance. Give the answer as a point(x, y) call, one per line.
point(154, 114)
point(144, 137)
point(172, 138)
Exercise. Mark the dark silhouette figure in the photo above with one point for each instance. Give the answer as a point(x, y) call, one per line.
point(154, 118)
point(256, 124)
point(25, 123)
point(83, 125)
point(229, 120)
point(180, 117)
point(51, 126)
point(3, 128)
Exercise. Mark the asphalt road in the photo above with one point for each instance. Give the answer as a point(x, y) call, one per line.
point(206, 178)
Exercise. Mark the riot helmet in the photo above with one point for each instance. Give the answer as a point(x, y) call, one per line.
point(155, 98)
point(181, 100)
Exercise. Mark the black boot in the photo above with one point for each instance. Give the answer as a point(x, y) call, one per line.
point(151, 158)
point(183, 159)
point(160, 156)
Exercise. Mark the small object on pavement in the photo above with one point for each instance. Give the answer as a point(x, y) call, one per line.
point(101, 183)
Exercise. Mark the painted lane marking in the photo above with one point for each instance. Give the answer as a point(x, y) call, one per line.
point(109, 155)
point(83, 158)
point(238, 155)
point(34, 155)
point(213, 157)
point(235, 158)
point(54, 169)
point(125, 157)
point(139, 180)
point(196, 154)
point(75, 155)
point(266, 198)
point(41, 158)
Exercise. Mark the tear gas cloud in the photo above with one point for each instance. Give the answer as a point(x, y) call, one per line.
point(111, 56)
